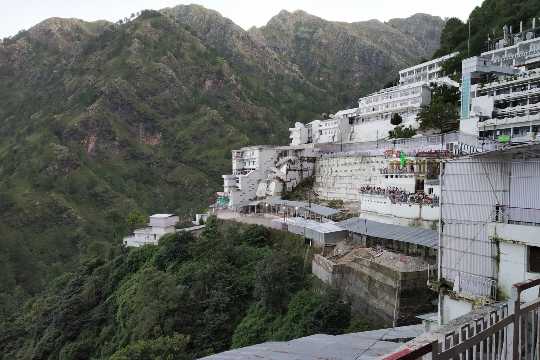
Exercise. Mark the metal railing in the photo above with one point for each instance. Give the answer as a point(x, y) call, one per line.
point(516, 215)
point(497, 336)
point(412, 145)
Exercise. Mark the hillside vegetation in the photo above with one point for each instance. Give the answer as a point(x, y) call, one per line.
point(101, 120)
point(188, 297)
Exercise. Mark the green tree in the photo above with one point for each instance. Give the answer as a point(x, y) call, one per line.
point(163, 348)
point(401, 132)
point(211, 229)
point(396, 119)
point(136, 219)
point(278, 276)
point(442, 113)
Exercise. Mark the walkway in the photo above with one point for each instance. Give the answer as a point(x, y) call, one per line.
point(258, 219)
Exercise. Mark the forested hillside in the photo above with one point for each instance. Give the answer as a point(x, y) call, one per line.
point(188, 297)
point(99, 120)
point(485, 20)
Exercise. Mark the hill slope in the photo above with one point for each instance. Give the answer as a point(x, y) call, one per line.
point(350, 59)
point(98, 120)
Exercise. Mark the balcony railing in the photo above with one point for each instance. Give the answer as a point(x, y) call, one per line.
point(499, 335)
point(516, 215)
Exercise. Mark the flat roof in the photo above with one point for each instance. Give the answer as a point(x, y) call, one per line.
point(159, 216)
point(528, 151)
point(325, 228)
point(314, 208)
point(407, 234)
point(359, 346)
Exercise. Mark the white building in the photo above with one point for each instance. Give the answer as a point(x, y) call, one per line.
point(375, 110)
point(159, 225)
point(501, 89)
point(262, 171)
point(371, 120)
point(490, 233)
point(250, 166)
point(425, 72)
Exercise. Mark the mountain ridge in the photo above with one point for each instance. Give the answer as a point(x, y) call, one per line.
point(99, 120)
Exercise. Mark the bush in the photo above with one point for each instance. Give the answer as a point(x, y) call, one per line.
point(396, 119)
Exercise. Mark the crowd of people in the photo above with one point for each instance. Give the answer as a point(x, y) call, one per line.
point(397, 195)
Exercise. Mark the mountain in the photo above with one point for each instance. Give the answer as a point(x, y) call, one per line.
point(350, 59)
point(101, 120)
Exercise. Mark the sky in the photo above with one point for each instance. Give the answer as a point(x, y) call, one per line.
point(22, 14)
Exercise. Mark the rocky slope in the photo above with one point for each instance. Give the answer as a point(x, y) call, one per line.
point(98, 119)
point(350, 59)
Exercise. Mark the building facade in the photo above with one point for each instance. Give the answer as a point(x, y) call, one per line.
point(371, 120)
point(490, 233)
point(158, 225)
point(500, 94)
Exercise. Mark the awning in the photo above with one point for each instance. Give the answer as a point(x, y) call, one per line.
point(407, 234)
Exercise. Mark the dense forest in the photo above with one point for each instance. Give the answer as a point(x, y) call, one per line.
point(235, 285)
point(99, 120)
point(485, 21)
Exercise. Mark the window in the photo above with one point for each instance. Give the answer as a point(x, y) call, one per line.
point(533, 259)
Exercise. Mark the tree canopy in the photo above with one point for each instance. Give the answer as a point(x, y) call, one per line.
point(442, 113)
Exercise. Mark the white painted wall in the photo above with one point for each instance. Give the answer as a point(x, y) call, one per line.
point(453, 308)
point(513, 259)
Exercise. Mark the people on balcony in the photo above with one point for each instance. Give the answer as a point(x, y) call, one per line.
point(397, 195)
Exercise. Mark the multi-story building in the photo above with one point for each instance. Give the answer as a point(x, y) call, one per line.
point(490, 227)
point(425, 72)
point(375, 110)
point(500, 93)
point(250, 166)
point(371, 120)
point(262, 171)
point(333, 130)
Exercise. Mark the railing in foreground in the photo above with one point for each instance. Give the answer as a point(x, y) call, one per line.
point(497, 336)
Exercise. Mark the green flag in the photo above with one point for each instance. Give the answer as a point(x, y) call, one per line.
point(503, 138)
point(402, 159)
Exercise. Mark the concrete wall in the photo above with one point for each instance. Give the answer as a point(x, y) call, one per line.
point(513, 258)
point(341, 177)
point(376, 292)
point(453, 308)
point(382, 205)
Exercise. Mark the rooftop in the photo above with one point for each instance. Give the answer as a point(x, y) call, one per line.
point(359, 346)
point(407, 234)
point(314, 208)
point(161, 216)
point(389, 259)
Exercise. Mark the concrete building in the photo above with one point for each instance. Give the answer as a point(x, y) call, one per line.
point(387, 287)
point(250, 166)
point(489, 238)
point(425, 72)
point(371, 120)
point(265, 171)
point(500, 94)
point(159, 225)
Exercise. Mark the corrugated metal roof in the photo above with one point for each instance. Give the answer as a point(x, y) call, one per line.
point(411, 235)
point(326, 227)
point(364, 345)
point(314, 208)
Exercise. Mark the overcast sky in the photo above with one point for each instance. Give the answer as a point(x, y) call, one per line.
point(23, 14)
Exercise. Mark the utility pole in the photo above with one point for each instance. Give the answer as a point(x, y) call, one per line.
point(469, 40)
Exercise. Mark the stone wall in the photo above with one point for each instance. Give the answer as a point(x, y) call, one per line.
point(377, 292)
